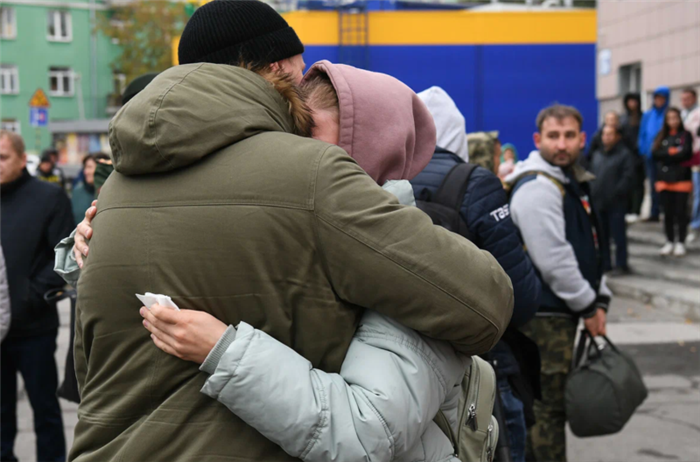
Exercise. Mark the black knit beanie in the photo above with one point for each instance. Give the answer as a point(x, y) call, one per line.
point(230, 31)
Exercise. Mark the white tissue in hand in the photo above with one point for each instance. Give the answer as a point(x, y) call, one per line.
point(150, 299)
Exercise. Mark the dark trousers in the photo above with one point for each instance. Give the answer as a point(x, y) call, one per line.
point(514, 413)
point(33, 357)
point(675, 206)
point(651, 175)
point(637, 194)
point(615, 227)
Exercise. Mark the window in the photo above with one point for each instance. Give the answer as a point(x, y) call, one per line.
point(11, 125)
point(631, 78)
point(8, 23)
point(61, 81)
point(9, 79)
point(59, 27)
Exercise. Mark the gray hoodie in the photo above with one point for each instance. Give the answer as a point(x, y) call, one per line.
point(449, 122)
point(537, 208)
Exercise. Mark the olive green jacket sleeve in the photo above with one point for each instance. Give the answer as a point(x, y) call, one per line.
point(392, 258)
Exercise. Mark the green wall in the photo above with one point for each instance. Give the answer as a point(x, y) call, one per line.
point(34, 54)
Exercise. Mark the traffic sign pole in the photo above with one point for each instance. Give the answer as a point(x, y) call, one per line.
point(39, 114)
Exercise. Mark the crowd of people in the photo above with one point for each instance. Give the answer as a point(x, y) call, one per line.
point(661, 145)
point(316, 312)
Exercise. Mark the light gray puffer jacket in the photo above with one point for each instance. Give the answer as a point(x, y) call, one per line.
point(5, 308)
point(379, 408)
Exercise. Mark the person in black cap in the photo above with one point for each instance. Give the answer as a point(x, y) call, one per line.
point(47, 170)
point(229, 32)
point(242, 31)
point(234, 32)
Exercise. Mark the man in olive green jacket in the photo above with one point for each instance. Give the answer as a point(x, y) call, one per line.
point(216, 203)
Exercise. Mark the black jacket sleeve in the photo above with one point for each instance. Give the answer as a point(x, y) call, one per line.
point(60, 224)
point(596, 143)
point(627, 176)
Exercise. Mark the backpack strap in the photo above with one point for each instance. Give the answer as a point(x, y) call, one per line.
point(454, 186)
point(528, 176)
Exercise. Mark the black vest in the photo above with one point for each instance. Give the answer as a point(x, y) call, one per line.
point(582, 232)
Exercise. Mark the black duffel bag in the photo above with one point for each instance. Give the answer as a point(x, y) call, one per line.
point(603, 390)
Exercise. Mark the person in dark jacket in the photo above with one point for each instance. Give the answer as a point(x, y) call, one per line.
point(672, 147)
point(84, 192)
point(629, 125)
point(35, 216)
point(550, 205)
point(486, 213)
point(48, 171)
point(649, 128)
point(611, 118)
point(613, 167)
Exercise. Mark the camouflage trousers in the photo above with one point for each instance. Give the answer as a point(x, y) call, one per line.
point(555, 337)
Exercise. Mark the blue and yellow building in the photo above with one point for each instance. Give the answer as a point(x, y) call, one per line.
point(501, 68)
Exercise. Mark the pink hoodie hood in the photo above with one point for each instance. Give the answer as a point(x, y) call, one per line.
point(384, 126)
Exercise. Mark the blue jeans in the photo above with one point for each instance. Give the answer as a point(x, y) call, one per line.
point(34, 358)
point(695, 220)
point(650, 165)
point(613, 222)
point(515, 420)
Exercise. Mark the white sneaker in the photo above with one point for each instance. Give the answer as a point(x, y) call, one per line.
point(679, 250)
point(692, 237)
point(666, 250)
point(631, 218)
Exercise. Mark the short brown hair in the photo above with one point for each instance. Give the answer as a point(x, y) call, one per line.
point(691, 91)
point(559, 112)
point(15, 140)
point(319, 93)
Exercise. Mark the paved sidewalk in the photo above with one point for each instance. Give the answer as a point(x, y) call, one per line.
point(666, 348)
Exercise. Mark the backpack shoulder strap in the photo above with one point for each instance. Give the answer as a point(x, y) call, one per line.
point(454, 186)
point(529, 176)
point(557, 183)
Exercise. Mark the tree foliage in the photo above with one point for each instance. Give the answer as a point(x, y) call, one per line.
point(144, 30)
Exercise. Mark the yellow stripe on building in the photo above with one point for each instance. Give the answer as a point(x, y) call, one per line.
point(318, 28)
point(453, 27)
point(314, 27)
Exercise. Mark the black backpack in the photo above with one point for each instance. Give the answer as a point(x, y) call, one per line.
point(443, 207)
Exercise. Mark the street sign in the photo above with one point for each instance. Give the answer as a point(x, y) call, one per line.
point(38, 116)
point(39, 99)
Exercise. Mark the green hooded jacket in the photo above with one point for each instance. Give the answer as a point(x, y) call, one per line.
point(216, 203)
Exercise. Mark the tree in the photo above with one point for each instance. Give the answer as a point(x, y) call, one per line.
point(144, 31)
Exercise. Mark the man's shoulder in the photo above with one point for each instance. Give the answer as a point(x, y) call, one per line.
point(44, 188)
point(536, 185)
point(624, 150)
point(289, 148)
point(484, 186)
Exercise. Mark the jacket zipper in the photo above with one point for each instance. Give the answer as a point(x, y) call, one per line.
point(473, 396)
point(489, 439)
